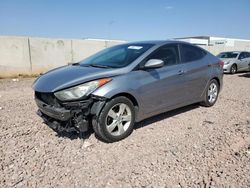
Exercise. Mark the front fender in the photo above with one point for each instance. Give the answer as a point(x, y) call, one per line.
point(117, 86)
point(121, 87)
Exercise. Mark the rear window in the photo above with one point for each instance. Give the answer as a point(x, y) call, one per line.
point(191, 53)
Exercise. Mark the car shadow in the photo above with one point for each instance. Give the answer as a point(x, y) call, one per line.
point(75, 135)
point(246, 75)
point(165, 115)
point(237, 73)
point(143, 123)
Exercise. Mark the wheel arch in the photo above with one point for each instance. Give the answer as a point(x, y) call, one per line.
point(132, 99)
point(129, 96)
point(98, 106)
point(212, 78)
point(234, 64)
point(218, 80)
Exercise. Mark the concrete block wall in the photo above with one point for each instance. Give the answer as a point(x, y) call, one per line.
point(29, 55)
point(218, 48)
point(82, 49)
point(14, 56)
point(47, 54)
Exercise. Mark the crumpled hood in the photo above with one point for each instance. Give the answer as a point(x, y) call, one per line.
point(68, 76)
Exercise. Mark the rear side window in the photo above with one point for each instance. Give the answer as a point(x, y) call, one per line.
point(243, 55)
point(167, 53)
point(191, 53)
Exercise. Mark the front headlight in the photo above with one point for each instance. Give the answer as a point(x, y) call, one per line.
point(81, 90)
point(226, 63)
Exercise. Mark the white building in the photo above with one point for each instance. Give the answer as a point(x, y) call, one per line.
point(218, 44)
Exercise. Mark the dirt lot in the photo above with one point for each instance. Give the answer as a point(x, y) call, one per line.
point(189, 147)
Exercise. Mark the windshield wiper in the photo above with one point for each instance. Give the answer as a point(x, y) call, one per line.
point(100, 66)
point(74, 64)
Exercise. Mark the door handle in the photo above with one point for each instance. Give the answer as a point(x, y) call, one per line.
point(181, 72)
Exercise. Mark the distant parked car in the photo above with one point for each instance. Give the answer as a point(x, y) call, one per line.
point(124, 84)
point(235, 61)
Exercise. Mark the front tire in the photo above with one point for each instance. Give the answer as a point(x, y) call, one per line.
point(116, 120)
point(212, 93)
point(233, 69)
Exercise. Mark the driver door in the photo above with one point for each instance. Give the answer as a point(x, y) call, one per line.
point(162, 88)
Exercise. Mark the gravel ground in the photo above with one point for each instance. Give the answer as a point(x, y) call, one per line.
point(188, 147)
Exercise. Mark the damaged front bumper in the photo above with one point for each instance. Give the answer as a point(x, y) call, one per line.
point(53, 112)
point(68, 116)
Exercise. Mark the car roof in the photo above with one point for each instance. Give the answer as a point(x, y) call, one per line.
point(234, 51)
point(158, 42)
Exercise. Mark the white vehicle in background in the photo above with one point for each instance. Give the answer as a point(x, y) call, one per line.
point(235, 61)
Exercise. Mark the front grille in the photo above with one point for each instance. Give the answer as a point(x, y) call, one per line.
point(47, 98)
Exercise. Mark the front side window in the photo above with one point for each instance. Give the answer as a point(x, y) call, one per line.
point(227, 55)
point(117, 56)
point(191, 53)
point(168, 53)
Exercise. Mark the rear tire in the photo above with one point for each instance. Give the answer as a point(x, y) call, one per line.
point(233, 69)
point(212, 93)
point(116, 120)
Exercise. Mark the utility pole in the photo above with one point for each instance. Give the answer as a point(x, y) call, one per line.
point(108, 32)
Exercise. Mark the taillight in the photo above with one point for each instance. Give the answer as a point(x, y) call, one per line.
point(221, 63)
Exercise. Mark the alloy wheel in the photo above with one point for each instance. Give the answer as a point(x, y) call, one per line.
point(118, 119)
point(212, 93)
point(233, 69)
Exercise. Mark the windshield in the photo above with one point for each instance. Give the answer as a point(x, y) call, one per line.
point(117, 56)
point(228, 55)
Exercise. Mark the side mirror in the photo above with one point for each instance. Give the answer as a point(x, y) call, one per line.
point(154, 63)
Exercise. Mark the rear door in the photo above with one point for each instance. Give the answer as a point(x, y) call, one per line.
point(197, 70)
point(248, 61)
point(244, 60)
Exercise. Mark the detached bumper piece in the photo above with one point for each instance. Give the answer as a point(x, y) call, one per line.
point(56, 125)
point(67, 116)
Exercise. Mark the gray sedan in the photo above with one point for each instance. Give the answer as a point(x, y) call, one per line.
point(124, 84)
point(235, 61)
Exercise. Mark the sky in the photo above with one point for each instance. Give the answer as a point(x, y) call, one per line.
point(130, 20)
